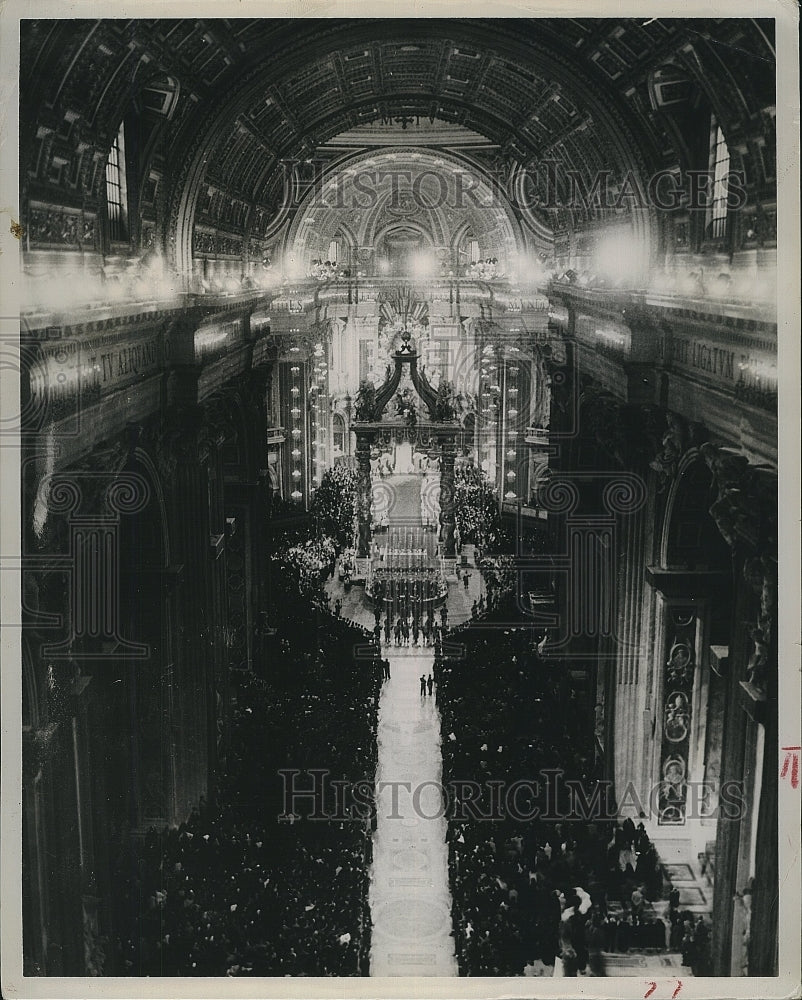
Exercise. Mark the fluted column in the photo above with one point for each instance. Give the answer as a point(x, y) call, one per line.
point(447, 497)
point(632, 668)
point(260, 500)
point(363, 492)
point(196, 550)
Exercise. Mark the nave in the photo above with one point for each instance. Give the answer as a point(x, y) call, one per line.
point(429, 896)
point(320, 374)
point(248, 885)
point(277, 875)
point(410, 900)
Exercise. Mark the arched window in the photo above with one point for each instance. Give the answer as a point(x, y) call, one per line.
point(117, 189)
point(473, 251)
point(719, 166)
point(334, 251)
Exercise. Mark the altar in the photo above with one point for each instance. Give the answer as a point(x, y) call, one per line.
point(414, 444)
point(404, 464)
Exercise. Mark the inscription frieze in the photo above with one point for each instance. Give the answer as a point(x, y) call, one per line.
point(80, 372)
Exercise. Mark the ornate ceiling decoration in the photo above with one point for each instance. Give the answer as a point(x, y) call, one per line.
point(371, 195)
point(220, 103)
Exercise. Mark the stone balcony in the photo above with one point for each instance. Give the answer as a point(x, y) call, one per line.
point(715, 362)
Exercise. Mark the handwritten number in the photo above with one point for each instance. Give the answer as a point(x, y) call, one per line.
point(653, 987)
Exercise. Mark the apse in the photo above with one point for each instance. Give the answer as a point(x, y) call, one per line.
point(400, 404)
point(407, 212)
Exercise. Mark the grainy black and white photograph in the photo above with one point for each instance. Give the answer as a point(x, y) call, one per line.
point(397, 460)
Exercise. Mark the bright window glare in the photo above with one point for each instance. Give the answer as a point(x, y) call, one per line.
point(619, 257)
point(424, 265)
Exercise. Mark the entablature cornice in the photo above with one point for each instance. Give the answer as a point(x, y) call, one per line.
point(751, 325)
point(52, 325)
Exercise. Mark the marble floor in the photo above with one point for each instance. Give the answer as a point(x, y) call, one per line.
point(410, 901)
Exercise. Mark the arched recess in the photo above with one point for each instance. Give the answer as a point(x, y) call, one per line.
point(145, 112)
point(399, 245)
point(461, 239)
point(608, 111)
point(466, 199)
point(340, 436)
point(347, 244)
point(404, 231)
point(690, 538)
point(427, 214)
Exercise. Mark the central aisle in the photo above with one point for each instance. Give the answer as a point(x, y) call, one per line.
point(410, 902)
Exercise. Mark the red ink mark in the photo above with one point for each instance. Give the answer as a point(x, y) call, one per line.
point(676, 991)
point(652, 988)
point(791, 762)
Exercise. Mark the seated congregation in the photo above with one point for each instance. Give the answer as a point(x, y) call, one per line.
point(541, 870)
point(246, 887)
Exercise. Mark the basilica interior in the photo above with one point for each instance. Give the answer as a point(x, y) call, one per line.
point(399, 402)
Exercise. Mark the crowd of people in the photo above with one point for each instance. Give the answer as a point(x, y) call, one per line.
point(484, 270)
point(248, 885)
point(411, 593)
point(541, 870)
point(311, 561)
point(328, 270)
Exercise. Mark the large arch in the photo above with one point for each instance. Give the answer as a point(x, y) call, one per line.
point(690, 538)
point(380, 203)
point(548, 71)
point(219, 105)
